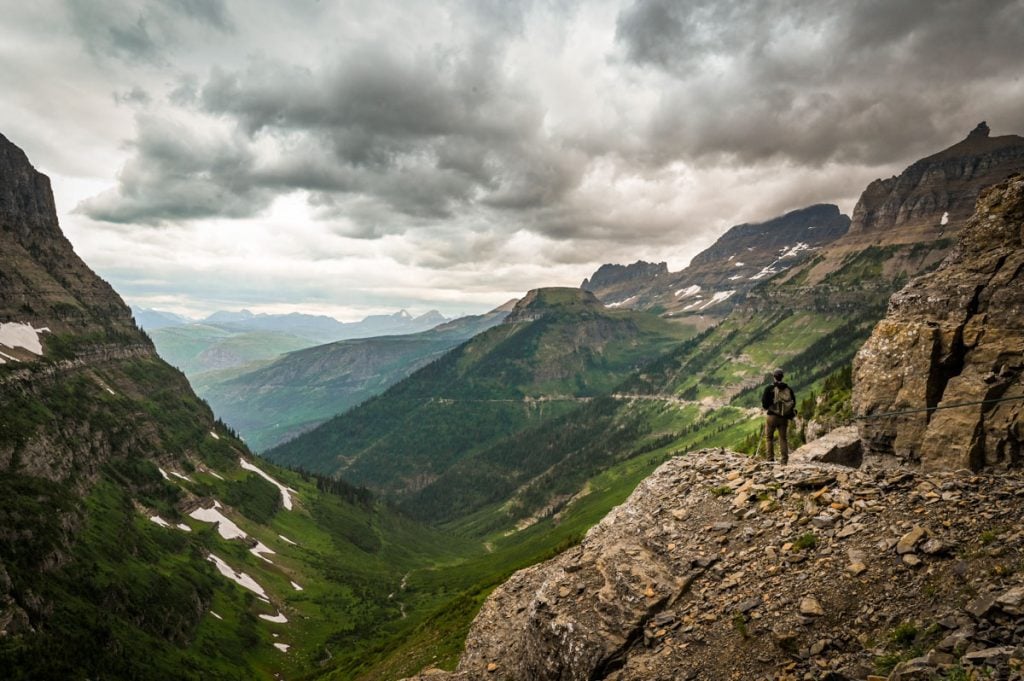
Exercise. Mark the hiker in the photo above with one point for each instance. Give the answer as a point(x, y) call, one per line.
point(779, 402)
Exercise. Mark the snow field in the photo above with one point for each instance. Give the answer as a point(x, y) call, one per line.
point(286, 497)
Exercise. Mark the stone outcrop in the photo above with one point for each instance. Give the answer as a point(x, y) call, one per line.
point(720, 567)
point(953, 336)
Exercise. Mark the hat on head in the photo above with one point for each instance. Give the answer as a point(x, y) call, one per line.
point(778, 374)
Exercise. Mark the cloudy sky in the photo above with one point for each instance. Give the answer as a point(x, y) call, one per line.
point(362, 156)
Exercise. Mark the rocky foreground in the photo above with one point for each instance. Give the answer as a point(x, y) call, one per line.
point(721, 567)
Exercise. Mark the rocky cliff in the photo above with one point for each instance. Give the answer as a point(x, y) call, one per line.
point(617, 284)
point(934, 196)
point(954, 336)
point(718, 277)
point(719, 567)
point(42, 282)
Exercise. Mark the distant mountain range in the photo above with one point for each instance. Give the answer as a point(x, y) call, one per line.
point(275, 402)
point(899, 226)
point(228, 340)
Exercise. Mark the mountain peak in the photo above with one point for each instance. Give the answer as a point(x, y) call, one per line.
point(542, 301)
point(980, 130)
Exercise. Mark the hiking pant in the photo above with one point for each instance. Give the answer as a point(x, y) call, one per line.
point(777, 423)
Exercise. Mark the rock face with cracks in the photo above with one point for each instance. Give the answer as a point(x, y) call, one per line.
point(810, 571)
point(954, 336)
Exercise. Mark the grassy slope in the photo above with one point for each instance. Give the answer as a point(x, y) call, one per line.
point(506, 380)
point(131, 599)
point(272, 401)
point(604, 470)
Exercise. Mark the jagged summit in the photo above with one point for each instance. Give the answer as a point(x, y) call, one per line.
point(542, 301)
point(934, 196)
point(610, 275)
point(980, 130)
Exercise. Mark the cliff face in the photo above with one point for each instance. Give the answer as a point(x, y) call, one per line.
point(934, 196)
point(42, 282)
point(954, 336)
point(720, 567)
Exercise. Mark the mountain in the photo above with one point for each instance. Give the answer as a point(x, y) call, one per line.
point(953, 336)
point(138, 538)
point(720, 276)
point(197, 348)
point(157, 319)
point(557, 348)
point(324, 329)
point(620, 285)
point(933, 198)
point(302, 389)
point(238, 340)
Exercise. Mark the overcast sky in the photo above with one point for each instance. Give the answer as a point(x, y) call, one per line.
point(363, 156)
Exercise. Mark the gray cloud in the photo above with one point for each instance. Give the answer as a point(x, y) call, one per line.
point(534, 137)
point(142, 31)
point(818, 81)
point(177, 174)
point(420, 135)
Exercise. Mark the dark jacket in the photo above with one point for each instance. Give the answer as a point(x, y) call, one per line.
point(768, 396)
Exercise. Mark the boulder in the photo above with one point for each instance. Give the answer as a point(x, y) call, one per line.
point(840, 446)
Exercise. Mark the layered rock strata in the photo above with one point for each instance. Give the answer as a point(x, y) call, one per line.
point(953, 337)
point(719, 567)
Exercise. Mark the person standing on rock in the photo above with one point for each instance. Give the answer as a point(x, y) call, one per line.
point(779, 403)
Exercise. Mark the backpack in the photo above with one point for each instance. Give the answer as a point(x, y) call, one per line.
point(784, 403)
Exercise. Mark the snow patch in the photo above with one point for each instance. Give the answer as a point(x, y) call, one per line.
point(215, 474)
point(740, 264)
point(693, 304)
point(283, 647)
point(279, 618)
point(214, 435)
point(792, 251)
point(735, 277)
point(717, 298)
point(260, 549)
point(225, 527)
point(620, 303)
point(159, 521)
point(287, 540)
point(183, 527)
point(17, 335)
point(945, 218)
point(163, 473)
point(296, 586)
point(110, 391)
point(179, 475)
point(286, 498)
point(688, 291)
point(216, 615)
point(239, 578)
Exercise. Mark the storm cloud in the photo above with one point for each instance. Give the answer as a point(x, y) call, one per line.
point(488, 146)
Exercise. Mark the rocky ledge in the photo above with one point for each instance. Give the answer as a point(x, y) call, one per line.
point(721, 567)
